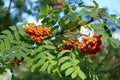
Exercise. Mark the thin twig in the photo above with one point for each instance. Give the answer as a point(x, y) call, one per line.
point(92, 19)
point(66, 31)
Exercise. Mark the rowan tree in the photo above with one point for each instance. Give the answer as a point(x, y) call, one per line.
point(58, 45)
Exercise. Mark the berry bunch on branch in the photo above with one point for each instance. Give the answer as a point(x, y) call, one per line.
point(37, 33)
point(69, 44)
point(89, 45)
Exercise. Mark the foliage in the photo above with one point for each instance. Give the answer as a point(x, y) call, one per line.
point(46, 55)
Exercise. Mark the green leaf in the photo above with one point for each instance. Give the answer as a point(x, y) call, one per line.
point(63, 59)
point(7, 44)
point(80, 73)
point(13, 28)
point(83, 12)
point(17, 55)
point(27, 45)
point(73, 7)
point(66, 10)
point(26, 50)
point(51, 66)
point(76, 17)
point(48, 42)
point(39, 56)
point(62, 22)
point(114, 42)
point(96, 4)
point(44, 67)
point(65, 66)
point(69, 71)
point(81, 4)
point(2, 36)
point(102, 32)
point(11, 38)
point(67, 21)
point(98, 29)
point(22, 54)
point(17, 36)
point(6, 32)
point(48, 7)
point(93, 13)
point(118, 22)
point(56, 70)
point(74, 74)
point(94, 77)
point(24, 23)
point(105, 36)
point(63, 52)
point(21, 29)
point(46, 20)
point(39, 63)
point(113, 15)
point(74, 60)
point(63, 1)
point(2, 46)
point(11, 58)
point(39, 49)
point(34, 67)
point(49, 47)
point(29, 61)
point(49, 55)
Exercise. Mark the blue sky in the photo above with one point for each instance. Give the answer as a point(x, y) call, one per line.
point(112, 5)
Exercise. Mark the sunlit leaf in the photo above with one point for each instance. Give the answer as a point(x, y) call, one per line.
point(81, 74)
point(63, 52)
point(65, 66)
point(44, 67)
point(63, 59)
point(69, 71)
point(49, 47)
point(74, 74)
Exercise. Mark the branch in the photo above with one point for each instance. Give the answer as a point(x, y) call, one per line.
point(92, 19)
point(66, 31)
point(59, 33)
point(6, 17)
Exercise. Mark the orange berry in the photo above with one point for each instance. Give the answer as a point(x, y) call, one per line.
point(91, 45)
point(37, 32)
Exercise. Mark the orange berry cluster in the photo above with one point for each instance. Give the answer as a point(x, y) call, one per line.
point(91, 45)
point(69, 44)
point(17, 62)
point(37, 32)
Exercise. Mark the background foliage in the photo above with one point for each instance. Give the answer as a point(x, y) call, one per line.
point(45, 58)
